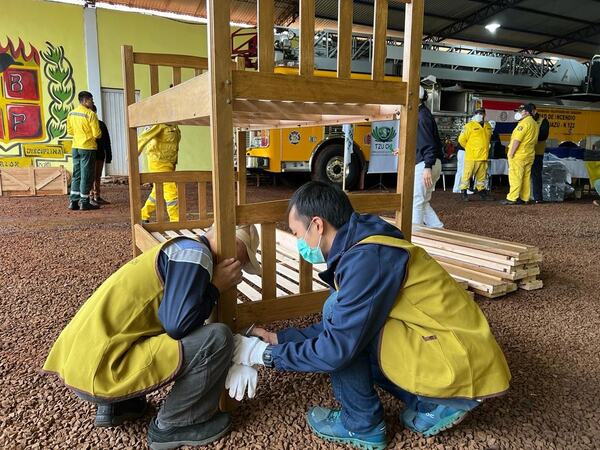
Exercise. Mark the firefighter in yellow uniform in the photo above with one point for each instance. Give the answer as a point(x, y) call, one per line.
point(521, 153)
point(161, 143)
point(475, 139)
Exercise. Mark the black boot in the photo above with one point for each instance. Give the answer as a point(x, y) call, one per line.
point(483, 194)
point(194, 435)
point(86, 206)
point(464, 195)
point(74, 205)
point(114, 414)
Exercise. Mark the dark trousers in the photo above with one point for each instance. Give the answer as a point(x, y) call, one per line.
point(354, 388)
point(95, 192)
point(84, 166)
point(195, 396)
point(536, 177)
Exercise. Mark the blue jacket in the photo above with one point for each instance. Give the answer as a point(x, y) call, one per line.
point(369, 277)
point(429, 144)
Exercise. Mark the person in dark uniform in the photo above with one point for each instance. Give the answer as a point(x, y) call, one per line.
point(103, 156)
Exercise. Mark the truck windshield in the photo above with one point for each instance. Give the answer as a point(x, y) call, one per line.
point(259, 138)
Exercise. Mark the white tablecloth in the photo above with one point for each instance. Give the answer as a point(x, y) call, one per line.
point(575, 168)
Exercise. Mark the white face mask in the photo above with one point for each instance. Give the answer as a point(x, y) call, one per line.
point(477, 118)
point(518, 116)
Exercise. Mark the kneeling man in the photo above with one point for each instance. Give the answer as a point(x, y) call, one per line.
point(395, 319)
point(144, 327)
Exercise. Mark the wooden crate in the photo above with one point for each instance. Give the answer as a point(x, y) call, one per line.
point(31, 181)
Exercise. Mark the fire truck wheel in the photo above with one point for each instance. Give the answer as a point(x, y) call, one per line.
point(330, 165)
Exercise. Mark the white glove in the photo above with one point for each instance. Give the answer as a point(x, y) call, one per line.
point(248, 350)
point(241, 379)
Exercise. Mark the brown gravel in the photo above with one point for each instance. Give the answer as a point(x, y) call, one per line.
point(52, 259)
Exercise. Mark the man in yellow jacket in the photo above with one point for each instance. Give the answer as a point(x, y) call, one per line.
point(145, 327)
point(475, 139)
point(521, 154)
point(83, 125)
point(395, 318)
point(161, 143)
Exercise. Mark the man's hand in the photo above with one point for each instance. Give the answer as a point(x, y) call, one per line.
point(265, 335)
point(427, 178)
point(241, 379)
point(248, 350)
point(227, 274)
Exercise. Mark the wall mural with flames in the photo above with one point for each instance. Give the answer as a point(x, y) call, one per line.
point(37, 91)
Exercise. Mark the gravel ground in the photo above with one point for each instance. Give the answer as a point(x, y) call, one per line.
point(52, 259)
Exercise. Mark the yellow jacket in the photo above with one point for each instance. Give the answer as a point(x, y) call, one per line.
point(82, 124)
point(115, 346)
point(161, 143)
point(475, 139)
point(526, 132)
point(436, 341)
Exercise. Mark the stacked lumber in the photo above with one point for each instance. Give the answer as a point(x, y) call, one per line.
point(491, 267)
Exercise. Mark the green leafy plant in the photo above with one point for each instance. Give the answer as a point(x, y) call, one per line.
point(61, 87)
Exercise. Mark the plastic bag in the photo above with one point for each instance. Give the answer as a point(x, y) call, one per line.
point(554, 179)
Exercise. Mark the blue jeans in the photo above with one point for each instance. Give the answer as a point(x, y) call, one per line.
point(354, 388)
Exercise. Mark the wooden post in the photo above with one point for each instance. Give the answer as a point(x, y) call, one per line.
point(221, 127)
point(306, 279)
point(307, 37)
point(132, 148)
point(153, 79)
point(202, 204)
point(182, 201)
point(176, 76)
point(344, 51)
point(269, 274)
point(241, 166)
point(265, 35)
point(379, 39)
point(161, 215)
point(409, 118)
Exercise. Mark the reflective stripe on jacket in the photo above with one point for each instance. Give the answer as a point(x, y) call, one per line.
point(83, 125)
point(475, 139)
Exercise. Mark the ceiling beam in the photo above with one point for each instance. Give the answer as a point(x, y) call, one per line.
point(574, 36)
point(474, 18)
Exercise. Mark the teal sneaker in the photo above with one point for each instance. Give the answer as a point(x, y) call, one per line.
point(326, 424)
point(431, 423)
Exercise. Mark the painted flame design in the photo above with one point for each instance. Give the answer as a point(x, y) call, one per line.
point(20, 51)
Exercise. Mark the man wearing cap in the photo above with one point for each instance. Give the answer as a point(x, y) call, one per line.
point(475, 139)
point(521, 153)
point(145, 327)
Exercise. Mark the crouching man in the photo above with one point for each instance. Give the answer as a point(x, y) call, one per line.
point(144, 327)
point(395, 319)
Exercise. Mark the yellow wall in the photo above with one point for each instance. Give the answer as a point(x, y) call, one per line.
point(155, 35)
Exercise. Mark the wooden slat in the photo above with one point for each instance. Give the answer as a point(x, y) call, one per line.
point(161, 59)
point(411, 66)
point(306, 274)
point(221, 126)
point(182, 201)
point(290, 307)
point(307, 38)
point(154, 87)
point(265, 35)
point(176, 76)
point(257, 280)
point(174, 105)
point(373, 203)
point(241, 167)
point(172, 233)
point(161, 215)
point(296, 110)
point(189, 224)
point(202, 202)
point(267, 245)
point(469, 259)
point(380, 20)
point(344, 50)
point(158, 236)
point(461, 250)
point(469, 243)
point(275, 86)
point(184, 176)
point(143, 239)
point(132, 148)
point(188, 233)
point(249, 291)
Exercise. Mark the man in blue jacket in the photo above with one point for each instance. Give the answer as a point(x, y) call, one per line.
point(395, 318)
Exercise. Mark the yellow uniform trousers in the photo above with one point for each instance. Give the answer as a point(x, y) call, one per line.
point(477, 169)
point(169, 190)
point(519, 178)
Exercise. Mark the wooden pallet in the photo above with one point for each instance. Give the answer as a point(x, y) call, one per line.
point(491, 267)
point(33, 181)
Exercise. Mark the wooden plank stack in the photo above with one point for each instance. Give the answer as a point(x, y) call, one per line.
point(491, 267)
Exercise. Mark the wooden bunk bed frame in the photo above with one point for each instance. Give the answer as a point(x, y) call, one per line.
point(224, 96)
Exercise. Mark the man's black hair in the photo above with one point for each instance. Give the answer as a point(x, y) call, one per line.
point(326, 201)
point(83, 95)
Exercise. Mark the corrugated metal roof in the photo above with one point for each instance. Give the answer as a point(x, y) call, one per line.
point(525, 24)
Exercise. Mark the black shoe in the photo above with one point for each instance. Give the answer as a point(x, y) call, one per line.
point(101, 201)
point(464, 195)
point(74, 205)
point(114, 414)
point(508, 202)
point(88, 206)
point(485, 196)
point(200, 434)
point(537, 202)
